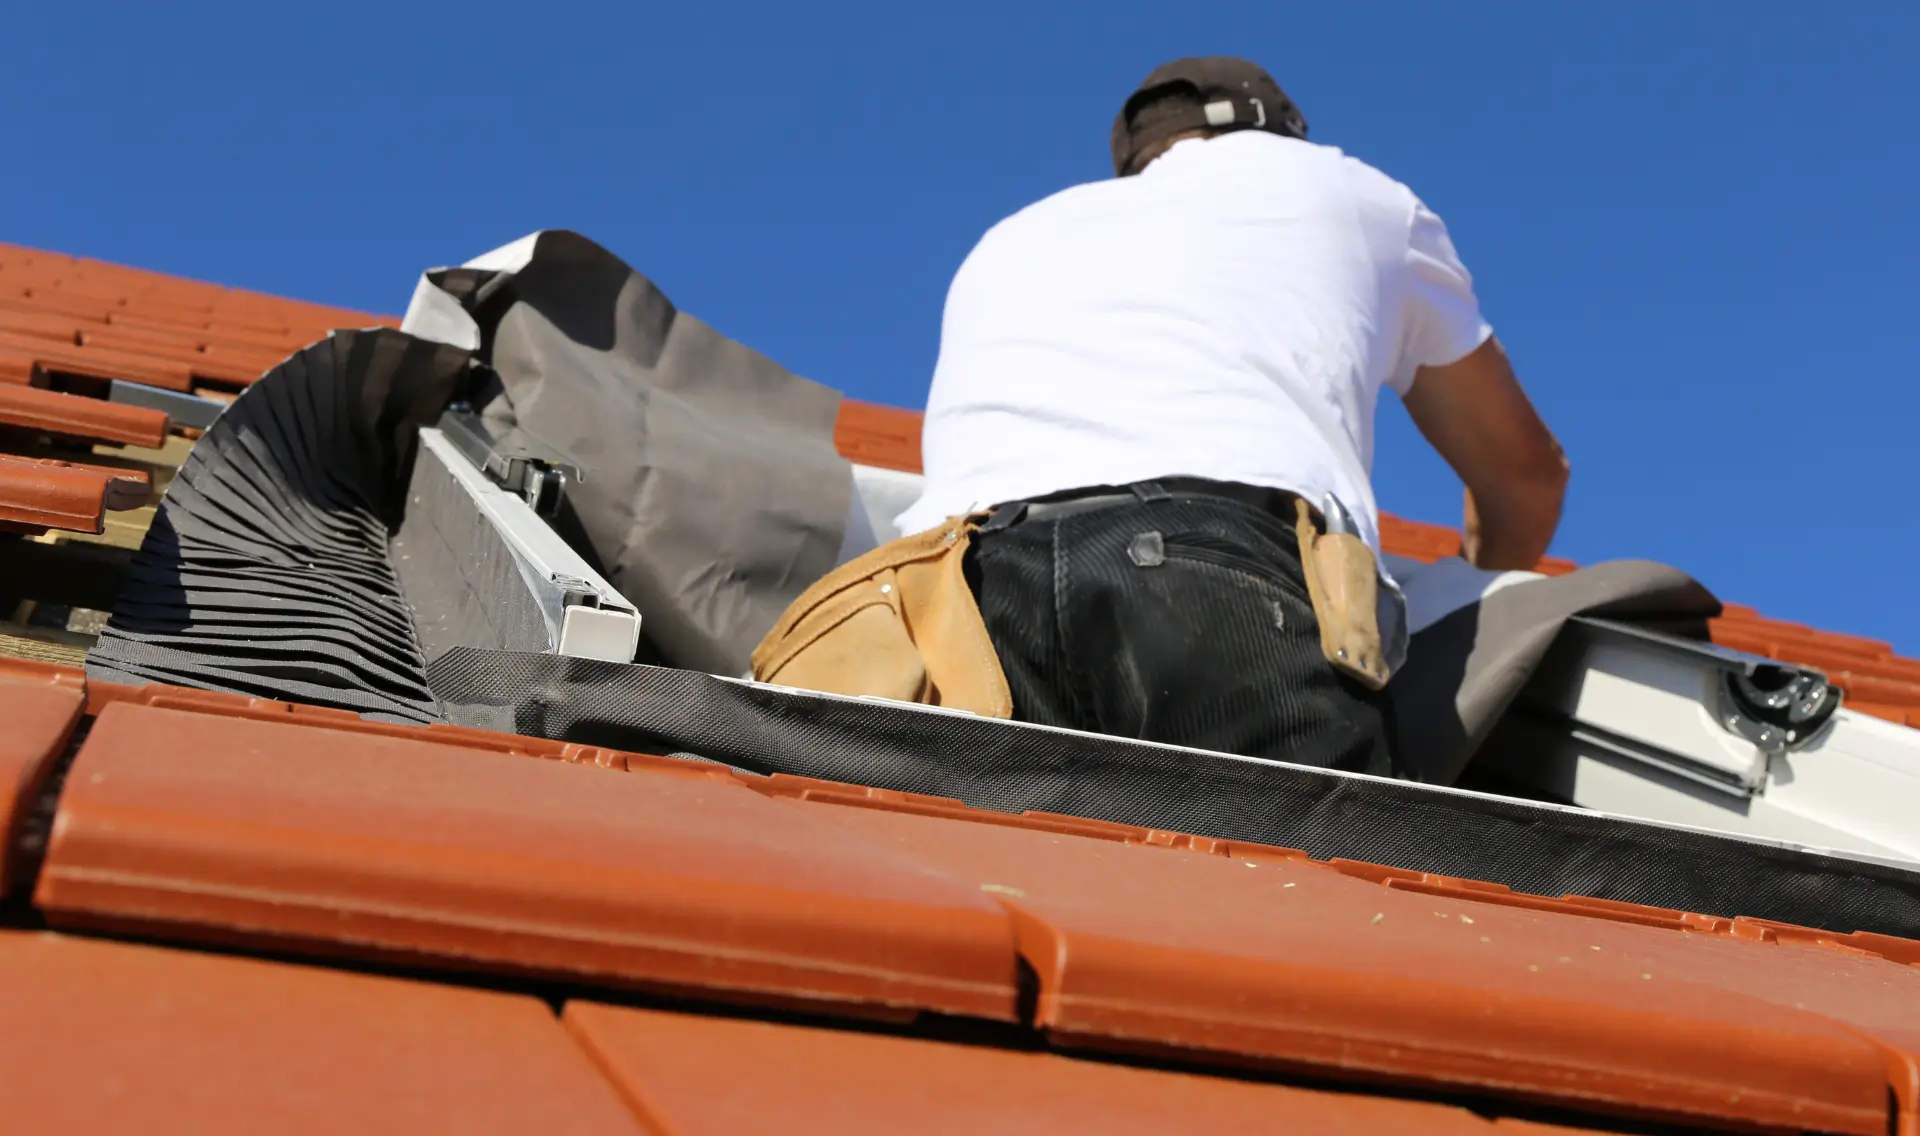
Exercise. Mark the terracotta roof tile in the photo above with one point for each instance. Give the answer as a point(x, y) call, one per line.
point(19, 320)
point(110, 1037)
point(39, 719)
point(98, 363)
point(878, 436)
point(217, 818)
point(78, 417)
point(101, 695)
point(18, 368)
point(101, 320)
point(37, 494)
point(126, 487)
point(24, 299)
point(1293, 963)
point(38, 673)
point(704, 1076)
point(233, 829)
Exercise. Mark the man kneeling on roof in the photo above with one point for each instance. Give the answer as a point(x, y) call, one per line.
point(1151, 426)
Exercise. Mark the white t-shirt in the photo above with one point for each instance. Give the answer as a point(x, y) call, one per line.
point(1231, 312)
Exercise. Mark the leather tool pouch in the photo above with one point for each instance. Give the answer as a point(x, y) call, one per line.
point(899, 622)
point(1344, 583)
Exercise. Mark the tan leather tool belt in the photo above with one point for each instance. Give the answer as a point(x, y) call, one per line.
point(901, 621)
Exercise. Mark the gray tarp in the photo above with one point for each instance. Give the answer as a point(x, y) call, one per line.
point(1466, 667)
point(713, 494)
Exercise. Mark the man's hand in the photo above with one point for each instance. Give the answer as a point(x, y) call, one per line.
point(1475, 414)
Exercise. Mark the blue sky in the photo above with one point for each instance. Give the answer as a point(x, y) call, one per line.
point(1692, 223)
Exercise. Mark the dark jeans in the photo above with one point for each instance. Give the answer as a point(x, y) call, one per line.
point(1183, 621)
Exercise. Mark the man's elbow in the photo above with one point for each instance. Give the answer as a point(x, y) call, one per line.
point(1547, 477)
point(1537, 494)
point(1512, 517)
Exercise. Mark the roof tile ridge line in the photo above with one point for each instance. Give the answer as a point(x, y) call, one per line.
point(1743, 928)
point(643, 937)
point(77, 261)
point(222, 704)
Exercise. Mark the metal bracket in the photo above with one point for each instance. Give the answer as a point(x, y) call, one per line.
point(536, 474)
point(1777, 706)
point(181, 409)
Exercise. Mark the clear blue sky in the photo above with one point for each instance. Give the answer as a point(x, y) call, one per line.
point(1694, 224)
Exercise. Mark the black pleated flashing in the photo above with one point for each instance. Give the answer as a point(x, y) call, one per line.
point(265, 571)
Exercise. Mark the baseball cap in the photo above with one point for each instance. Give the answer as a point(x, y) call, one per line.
point(1216, 92)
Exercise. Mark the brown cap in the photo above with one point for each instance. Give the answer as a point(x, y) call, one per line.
point(1216, 92)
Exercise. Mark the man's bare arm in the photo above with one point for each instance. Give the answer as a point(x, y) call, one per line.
point(1475, 414)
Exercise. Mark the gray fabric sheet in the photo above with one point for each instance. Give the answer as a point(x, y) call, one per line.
point(713, 494)
point(1464, 670)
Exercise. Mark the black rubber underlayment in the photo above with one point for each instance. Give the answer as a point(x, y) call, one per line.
point(1014, 768)
point(265, 571)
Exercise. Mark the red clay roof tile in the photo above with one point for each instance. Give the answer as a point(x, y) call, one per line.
point(235, 819)
point(705, 1076)
point(100, 320)
point(18, 368)
point(99, 363)
point(125, 488)
point(275, 335)
point(39, 719)
point(39, 299)
point(76, 416)
point(231, 829)
point(33, 672)
point(103, 694)
point(44, 494)
point(878, 436)
point(110, 1037)
point(56, 328)
point(1291, 963)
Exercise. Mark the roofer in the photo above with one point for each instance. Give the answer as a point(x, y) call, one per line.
point(1145, 379)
